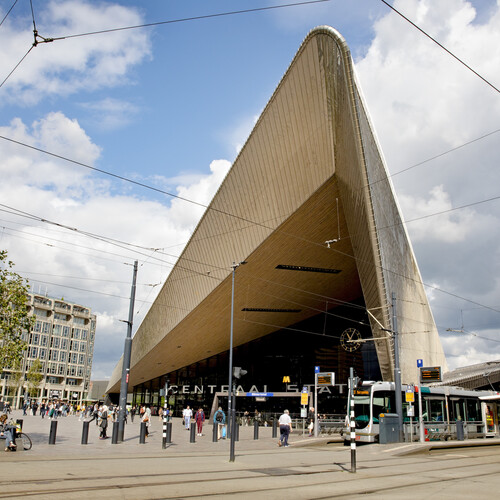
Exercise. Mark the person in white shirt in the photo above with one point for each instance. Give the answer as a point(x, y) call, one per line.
point(187, 413)
point(285, 423)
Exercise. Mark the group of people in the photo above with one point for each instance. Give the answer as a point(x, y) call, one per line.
point(198, 417)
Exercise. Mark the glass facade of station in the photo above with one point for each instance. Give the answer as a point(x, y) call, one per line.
point(293, 352)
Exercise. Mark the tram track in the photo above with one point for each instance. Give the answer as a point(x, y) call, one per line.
point(47, 487)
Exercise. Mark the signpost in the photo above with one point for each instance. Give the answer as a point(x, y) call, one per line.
point(322, 379)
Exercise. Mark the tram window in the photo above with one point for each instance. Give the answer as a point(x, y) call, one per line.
point(457, 409)
point(362, 411)
point(383, 402)
point(473, 410)
point(436, 409)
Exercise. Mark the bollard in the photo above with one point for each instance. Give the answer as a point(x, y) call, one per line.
point(53, 432)
point(85, 433)
point(169, 432)
point(114, 434)
point(192, 433)
point(256, 430)
point(214, 432)
point(142, 435)
point(460, 430)
point(275, 429)
point(236, 431)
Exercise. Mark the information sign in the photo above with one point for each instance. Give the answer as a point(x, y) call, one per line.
point(326, 378)
point(430, 374)
point(304, 398)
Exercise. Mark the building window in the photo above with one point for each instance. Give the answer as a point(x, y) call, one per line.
point(53, 355)
point(38, 326)
point(84, 334)
point(42, 313)
point(73, 358)
point(79, 321)
point(45, 327)
point(63, 356)
point(81, 359)
point(56, 341)
point(64, 343)
point(57, 329)
point(61, 369)
point(35, 339)
point(33, 352)
point(61, 317)
point(76, 333)
point(43, 353)
point(82, 346)
point(66, 331)
point(43, 340)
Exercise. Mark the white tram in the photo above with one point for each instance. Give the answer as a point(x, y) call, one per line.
point(442, 407)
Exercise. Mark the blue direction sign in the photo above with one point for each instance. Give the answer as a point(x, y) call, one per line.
point(420, 363)
point(260, 394)
point(316, 369)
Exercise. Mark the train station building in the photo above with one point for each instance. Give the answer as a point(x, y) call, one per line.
point(329, 269)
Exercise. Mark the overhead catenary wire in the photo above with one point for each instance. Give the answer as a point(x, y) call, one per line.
point(8, 12)
point(39, 39)
point(440, 45)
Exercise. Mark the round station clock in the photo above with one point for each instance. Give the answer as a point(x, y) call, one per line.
point(347, 338)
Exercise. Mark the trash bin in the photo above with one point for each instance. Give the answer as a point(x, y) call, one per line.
point(388, 428)
point(460, 430)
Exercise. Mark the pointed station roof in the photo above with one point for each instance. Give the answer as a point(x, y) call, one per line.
point(310, 172)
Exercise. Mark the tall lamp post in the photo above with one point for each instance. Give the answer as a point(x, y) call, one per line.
point(229, 389)
point(126, 361)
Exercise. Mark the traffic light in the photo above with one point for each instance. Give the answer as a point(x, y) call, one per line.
point(238, 372)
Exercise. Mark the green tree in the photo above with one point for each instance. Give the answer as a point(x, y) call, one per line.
point(14, 317)
point(34, 376)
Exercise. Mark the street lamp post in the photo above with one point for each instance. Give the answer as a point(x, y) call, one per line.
point(230, 386)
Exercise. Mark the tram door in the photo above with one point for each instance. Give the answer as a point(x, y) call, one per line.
point(490, 416)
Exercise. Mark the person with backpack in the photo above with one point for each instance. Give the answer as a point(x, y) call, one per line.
point(220, 422)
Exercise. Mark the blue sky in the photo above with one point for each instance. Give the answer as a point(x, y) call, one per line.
point(171, 105)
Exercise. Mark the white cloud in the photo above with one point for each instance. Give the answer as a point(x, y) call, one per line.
point(111, 114)
point(66, 66)
point(423, 103)
point(89, 269)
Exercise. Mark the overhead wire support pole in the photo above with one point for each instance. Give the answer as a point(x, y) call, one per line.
point(126, 360)
point(397, 369)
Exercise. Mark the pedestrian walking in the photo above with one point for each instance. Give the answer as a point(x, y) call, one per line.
point(199, 419)
point(220, 422)
point(103, 422)
point(187, 413)
point(146, 418)
point(285, 423)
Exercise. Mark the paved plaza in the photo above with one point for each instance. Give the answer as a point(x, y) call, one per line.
point(309, 469)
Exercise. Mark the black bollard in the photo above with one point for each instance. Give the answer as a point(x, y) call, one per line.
point(214, 432)
point(53, 432)
point(142, 435)
point(275, 428)
point(114, 434)
point(169, 432)
point(236, 431)
point(85, 433)
point(256, 430)
point(192, 434)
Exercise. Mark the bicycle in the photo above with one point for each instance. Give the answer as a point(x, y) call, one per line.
point(27, 443)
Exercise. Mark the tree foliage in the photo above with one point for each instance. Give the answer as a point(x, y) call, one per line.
point(14, 317)
point(34, 376)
